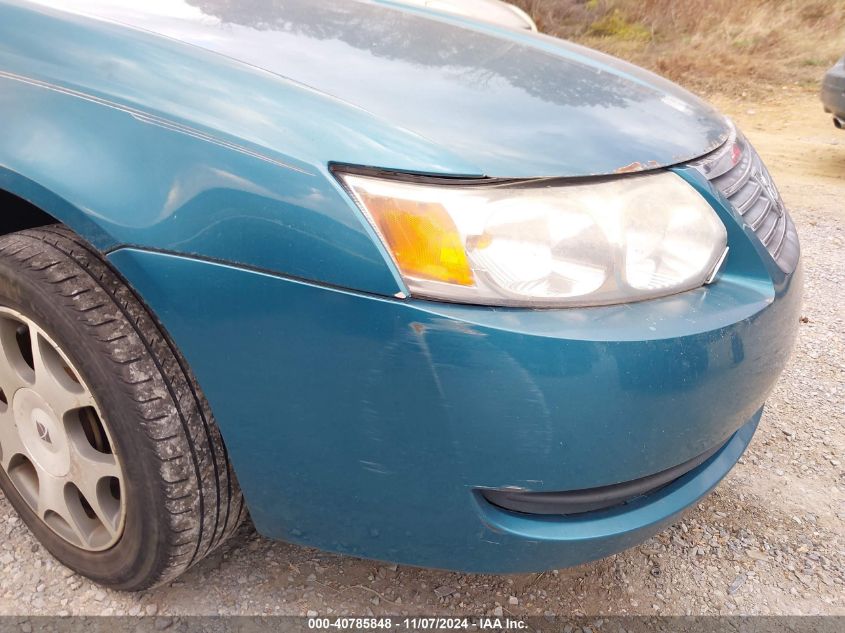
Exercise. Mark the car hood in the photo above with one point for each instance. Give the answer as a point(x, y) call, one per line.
point(508, 103)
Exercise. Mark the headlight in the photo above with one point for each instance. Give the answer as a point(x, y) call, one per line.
point(539, 244)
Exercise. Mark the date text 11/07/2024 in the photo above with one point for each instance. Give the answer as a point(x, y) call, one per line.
point(416, 624)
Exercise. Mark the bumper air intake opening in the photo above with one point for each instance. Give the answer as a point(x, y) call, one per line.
point(590, 499)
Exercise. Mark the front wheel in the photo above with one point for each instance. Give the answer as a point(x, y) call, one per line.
point(108, 450)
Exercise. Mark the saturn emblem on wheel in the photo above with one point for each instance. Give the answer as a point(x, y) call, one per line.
point(43, 432)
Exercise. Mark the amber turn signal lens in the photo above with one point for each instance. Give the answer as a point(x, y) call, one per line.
point(422, 237)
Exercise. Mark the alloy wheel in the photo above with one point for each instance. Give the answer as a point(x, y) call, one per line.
point(55, 446)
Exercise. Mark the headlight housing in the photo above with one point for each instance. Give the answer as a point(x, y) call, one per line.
point(543, 243)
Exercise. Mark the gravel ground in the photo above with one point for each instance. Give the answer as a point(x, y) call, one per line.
point(769, 540)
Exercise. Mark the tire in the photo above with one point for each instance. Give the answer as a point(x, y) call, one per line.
point(176, 494)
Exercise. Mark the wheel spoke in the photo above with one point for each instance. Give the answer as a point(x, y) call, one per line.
point(53, 503)
point(51, 495)
point(53, 378)
point(92, 473)
point(10, 440)
point(61, 508)
point(92, 465)
point(12, 364)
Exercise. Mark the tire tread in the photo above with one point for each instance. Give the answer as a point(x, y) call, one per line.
point(203, 499)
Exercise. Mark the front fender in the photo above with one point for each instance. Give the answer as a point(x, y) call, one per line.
point(119, 178)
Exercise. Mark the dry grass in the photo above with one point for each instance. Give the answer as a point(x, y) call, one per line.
point(726, 47)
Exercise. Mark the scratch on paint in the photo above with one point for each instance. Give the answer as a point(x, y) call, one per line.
point(420, 330)
point(374, 467)
point(446, 325)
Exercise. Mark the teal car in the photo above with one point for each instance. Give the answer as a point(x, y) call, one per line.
point(397, 283)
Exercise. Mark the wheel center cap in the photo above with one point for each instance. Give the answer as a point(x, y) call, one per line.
point(41, 431)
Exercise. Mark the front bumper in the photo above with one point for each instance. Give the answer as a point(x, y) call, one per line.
point(367, 425)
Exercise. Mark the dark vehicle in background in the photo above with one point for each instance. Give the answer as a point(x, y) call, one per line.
point(833, 93)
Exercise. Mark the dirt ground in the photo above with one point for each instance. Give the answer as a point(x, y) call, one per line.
point(769, 540)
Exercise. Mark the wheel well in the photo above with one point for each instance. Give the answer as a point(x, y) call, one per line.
point(16, 214)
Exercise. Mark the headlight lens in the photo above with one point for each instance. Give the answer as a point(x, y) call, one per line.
point(538, 244)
